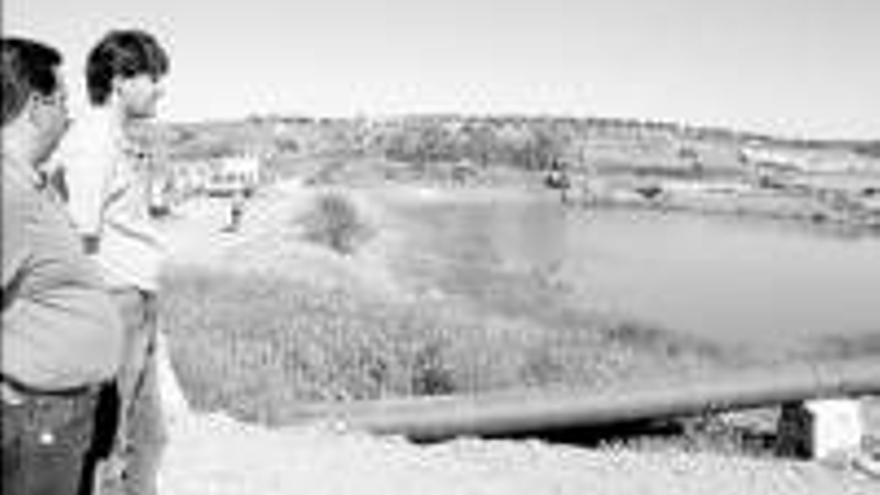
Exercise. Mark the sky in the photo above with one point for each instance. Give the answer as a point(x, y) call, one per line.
point(795, 68)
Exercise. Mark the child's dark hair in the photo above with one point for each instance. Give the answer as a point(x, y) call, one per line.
point(122, 53)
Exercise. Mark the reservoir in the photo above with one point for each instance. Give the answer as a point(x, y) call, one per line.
point(727, 279)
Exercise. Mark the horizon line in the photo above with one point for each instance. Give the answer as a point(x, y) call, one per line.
point(525, 115)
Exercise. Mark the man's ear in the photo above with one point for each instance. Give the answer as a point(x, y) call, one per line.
point(117, 88)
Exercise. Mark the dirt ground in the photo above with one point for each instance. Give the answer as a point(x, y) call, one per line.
point(213, 454)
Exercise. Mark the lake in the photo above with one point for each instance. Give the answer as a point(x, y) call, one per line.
point(733, 280)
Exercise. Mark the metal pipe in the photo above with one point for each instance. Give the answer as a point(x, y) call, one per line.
point(525, 411)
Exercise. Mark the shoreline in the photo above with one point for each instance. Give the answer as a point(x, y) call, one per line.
point(844, 200)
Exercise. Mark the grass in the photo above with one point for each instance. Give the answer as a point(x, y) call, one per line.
point(258, 345)
point(705, 433)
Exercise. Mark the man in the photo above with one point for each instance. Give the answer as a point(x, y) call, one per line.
point(107, 175)
point(61, 336)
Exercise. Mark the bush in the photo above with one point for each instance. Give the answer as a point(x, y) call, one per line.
point(336, 223)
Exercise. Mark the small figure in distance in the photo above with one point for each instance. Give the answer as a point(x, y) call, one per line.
point(558, 178)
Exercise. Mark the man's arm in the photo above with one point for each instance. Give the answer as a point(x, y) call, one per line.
point(14, 238)
point(86, 175)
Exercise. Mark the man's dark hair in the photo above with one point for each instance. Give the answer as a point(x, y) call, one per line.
point(28, 67)
point(126, 54)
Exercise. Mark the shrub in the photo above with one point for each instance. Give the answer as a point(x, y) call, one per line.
point(335, 222)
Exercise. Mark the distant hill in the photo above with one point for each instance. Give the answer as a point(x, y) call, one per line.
point(529, 141)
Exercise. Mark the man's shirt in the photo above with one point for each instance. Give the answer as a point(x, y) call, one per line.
point(108, 180)
point(60, 329)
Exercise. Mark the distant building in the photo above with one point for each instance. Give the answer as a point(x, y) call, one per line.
point(771, 159)
point(221, 176)
point(240, 173)
point(185, 178)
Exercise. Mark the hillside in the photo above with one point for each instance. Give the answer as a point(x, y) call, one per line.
point(588, 141)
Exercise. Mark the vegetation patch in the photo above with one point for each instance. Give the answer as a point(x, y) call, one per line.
point(259, 345)
point(336, 222)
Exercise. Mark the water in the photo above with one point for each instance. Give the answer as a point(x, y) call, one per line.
point(722, 278)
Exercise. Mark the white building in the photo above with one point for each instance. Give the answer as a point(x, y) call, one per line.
point(228, 175)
